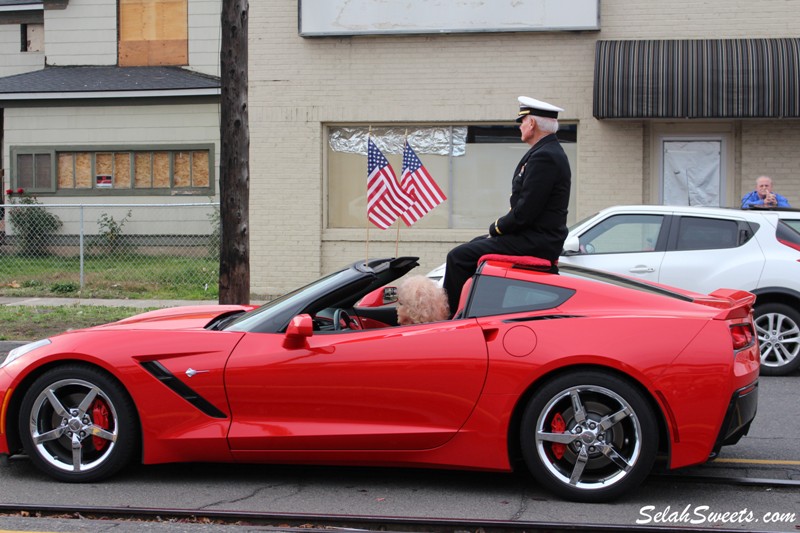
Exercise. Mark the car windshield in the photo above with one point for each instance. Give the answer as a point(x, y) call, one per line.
point(578, 223)
point(245, 322)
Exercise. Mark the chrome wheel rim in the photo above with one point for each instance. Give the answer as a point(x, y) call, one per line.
point(778, 338)
point(73, 425)
point(601, 438)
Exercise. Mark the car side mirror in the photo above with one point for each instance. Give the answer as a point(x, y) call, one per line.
point(572, 246)
point(300, 328)
point(379, 297)
point(389, 295)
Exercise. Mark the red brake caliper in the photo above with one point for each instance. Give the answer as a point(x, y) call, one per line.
point(100, 419)
point(558, 426)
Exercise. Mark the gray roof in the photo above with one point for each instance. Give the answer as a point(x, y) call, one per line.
point(33, 3)
point(110, 82)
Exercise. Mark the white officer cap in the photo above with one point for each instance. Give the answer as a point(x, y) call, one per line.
point(532, 106)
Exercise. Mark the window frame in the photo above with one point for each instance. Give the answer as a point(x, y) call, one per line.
point(739, 238)
point(476, 308)
point(595, 231)
point(54, 150)
point(478, 132)
point(16, 152)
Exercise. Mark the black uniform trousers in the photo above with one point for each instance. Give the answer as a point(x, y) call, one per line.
point(462, 261)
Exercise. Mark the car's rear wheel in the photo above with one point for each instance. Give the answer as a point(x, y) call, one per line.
point(778, 330)
point(78, 424)
point(589, 436)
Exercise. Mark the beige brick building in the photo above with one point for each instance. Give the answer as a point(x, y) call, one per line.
point(303, 88)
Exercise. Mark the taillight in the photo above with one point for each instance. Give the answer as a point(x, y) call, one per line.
point(742, 336)
point(790, 244)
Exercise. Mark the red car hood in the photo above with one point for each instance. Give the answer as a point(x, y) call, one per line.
point(186, 317)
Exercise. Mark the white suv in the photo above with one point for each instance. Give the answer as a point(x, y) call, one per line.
point(703, 249)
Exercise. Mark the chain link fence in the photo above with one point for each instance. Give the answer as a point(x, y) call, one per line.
point(164, 251)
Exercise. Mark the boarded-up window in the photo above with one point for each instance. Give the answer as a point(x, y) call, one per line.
point(161, 178)
point(200, 169)
point(153, 33)
point(183, 170)
point(66, 171)
point(143, 170)
point(186, 171)
point(83, 170)
point(122, 170)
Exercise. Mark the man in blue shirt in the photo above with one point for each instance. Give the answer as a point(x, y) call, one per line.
point(763, 195)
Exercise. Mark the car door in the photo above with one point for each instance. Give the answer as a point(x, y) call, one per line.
point(706, 253)
point(631, 244)
point(400, 388)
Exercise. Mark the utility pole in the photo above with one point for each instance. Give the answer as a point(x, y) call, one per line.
point(234, 165)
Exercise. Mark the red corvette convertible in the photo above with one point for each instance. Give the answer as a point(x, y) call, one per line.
point(581, 376)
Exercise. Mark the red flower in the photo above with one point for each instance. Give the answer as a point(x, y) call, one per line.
point(20, 191)
point(9, 192)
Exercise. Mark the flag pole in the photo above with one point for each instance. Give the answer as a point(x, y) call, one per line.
point(397, 237)
point(366, 258)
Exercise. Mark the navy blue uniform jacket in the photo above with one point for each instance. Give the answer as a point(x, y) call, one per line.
point(537, 221)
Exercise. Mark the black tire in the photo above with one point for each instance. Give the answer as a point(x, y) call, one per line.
point(78, 424)
point(778, 330)
point(592, 457)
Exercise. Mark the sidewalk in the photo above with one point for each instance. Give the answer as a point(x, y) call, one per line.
point(115, 302)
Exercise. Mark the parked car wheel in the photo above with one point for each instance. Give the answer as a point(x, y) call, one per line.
point(78, 424)
point(778, 329)
point(589, 436)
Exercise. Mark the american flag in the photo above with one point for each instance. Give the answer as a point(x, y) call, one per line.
point(419, 185)
point(385, 200)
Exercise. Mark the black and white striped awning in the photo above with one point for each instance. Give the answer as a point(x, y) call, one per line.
point(702, 78)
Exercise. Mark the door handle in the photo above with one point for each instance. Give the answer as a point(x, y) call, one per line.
point(642, 269)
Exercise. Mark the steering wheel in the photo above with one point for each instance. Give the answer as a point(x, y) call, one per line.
point(341, 319)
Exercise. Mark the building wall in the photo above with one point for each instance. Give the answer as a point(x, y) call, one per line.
point(298, 86)
point(771, 148)
point(14, 61)
point(110, 126)
point(204, 36)
point(85, 33)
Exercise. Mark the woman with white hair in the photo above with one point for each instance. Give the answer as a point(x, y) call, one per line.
point(420, 300)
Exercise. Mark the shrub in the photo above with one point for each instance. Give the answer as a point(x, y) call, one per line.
point(33, 226)
point(64, 287)
point(110, 232)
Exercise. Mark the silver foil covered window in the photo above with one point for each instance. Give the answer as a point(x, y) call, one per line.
point(443, 140)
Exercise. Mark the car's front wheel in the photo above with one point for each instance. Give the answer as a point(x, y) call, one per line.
point(778, 330)
point(589, 436)
point(78, 424)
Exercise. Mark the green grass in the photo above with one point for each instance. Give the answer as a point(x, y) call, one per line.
point(127, 275)
point(22, 322)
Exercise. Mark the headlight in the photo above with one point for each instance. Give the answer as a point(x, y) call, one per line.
point(18, 352)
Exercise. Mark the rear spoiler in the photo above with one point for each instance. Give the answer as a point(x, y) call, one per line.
point(733, 303)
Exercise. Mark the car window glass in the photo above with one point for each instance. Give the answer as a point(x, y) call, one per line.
point(497, 296)
point(788, 233)
point(697, 233)
point(794, 224)
point(623, 233)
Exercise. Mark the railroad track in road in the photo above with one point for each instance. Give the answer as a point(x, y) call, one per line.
point(323, 523)
point(703, 473)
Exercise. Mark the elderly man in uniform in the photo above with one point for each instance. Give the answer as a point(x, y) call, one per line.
point(536, 224)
